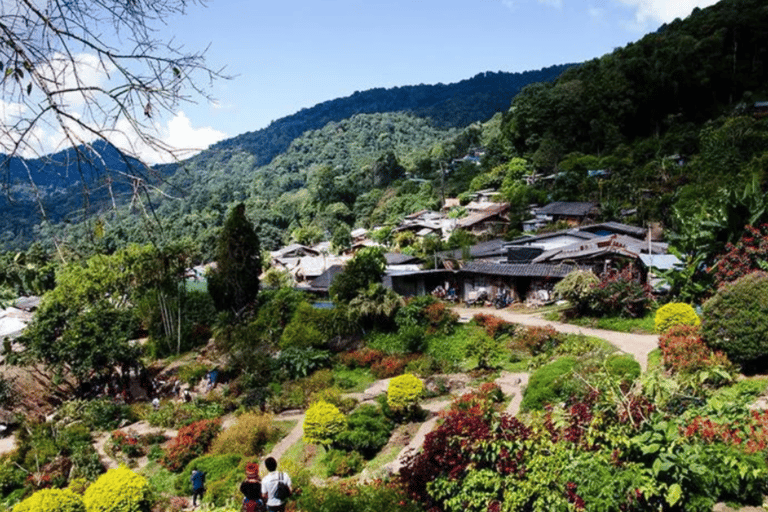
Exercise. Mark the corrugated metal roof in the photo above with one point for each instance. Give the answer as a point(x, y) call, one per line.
point(568, 208)
point(520, 269)
point(660, 261)
point(612, 244)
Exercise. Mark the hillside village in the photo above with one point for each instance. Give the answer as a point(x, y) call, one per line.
point(540, 291)
point(524, 269)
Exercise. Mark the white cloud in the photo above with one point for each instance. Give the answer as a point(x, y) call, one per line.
point(181, 135)
point(664, 11)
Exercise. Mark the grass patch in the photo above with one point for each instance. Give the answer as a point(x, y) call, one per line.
point(161, 481)
point(642, 325)
point(354, 380)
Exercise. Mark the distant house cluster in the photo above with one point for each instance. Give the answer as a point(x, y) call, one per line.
point(523, 269)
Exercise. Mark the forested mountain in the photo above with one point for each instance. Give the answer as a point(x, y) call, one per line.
point(327, 177)
point(446, 106)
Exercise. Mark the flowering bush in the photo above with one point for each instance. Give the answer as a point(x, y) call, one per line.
point(391, 365)
point(621, 293)
point(675, 313)
point(493, 325)
point(736, 319)
point(743, 258)
point(403, 392)
point(684, 352)
point(362, 358)
point(539, 340)
point(190, 442)
point(128, 444)
point(322, 423)
point(118, 490)
point(52, 500)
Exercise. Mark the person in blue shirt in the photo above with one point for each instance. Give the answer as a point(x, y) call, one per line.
point(198, 485)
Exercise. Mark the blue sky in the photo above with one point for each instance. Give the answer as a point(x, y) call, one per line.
point(293, 54)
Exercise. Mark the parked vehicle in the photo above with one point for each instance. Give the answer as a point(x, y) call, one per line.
point(476, 298)
point(502, 299)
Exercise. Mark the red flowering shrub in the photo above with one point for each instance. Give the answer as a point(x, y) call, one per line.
point(621, 293)
point(392, 365)
point(362, 358)
point(493, 325)
point(539, 340)
point(750, 434)
point(467, 436)
point(683, 351)
point(440, 318)
point(191, 442)
point(744, 257)
point(125, 443)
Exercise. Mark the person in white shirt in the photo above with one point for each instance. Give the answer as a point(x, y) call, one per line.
point(271, 484)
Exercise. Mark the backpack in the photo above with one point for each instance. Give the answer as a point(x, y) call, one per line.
point(282, 491)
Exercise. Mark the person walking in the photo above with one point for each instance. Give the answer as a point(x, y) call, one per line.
point(198, 485)
point(276, 487)
point(251, 488)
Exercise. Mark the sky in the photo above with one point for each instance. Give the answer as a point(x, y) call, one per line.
point(293, 54)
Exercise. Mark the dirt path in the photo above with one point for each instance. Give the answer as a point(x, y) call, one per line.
point(638, 345)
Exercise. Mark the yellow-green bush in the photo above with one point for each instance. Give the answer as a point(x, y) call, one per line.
point(322, 423)
point(52, 500)
point(118, 490)
point(247, 436)
point(404, 392)
point(675, 313)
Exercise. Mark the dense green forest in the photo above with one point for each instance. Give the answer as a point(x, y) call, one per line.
point(72, 188)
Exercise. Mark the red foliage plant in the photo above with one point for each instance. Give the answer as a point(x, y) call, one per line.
point(683, 351)
point(744, 257)
point(749, 434)
point(439, 317)
point(190, 442)
point(391, 366)
point(539, 340)
point(466, 430)
point(362, 358)
point(493, 325)
point(621, 292)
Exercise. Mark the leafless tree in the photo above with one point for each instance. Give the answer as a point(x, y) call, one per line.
point(86, 70)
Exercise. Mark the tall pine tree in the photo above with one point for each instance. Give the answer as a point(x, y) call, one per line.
point(234, 284)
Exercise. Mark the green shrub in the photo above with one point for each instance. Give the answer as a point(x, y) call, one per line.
point(247, 436)
point(52, 500)
point(548, 384)
point(578, 288)
point(98, 414)
point(377, 496)
point(403, 392)
point(174, 414)
point(11, 475)
point(192, 373)
point(215, 467)
point(301, 362)
point(675, 313)
point(322, 423)
point(368, 430)
point(342, 463)
point(736, 319)
point(118, 490)
point(623, 367)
